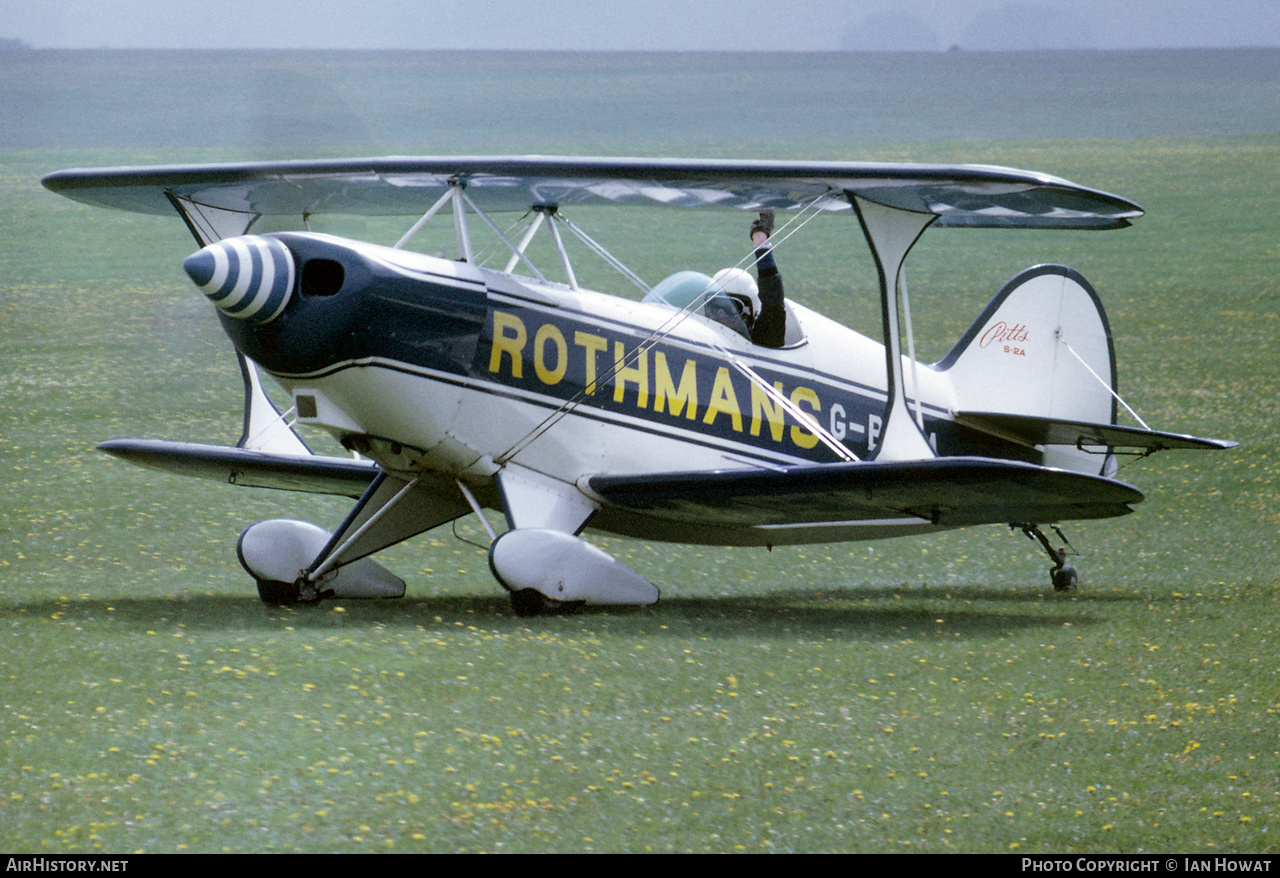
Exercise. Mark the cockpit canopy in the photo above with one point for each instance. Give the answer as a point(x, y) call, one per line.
point(683, 288)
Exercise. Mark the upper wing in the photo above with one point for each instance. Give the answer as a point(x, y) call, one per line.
point(946, 491)
point(959, 195)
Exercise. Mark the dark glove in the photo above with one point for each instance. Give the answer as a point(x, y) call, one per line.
point(764, 223)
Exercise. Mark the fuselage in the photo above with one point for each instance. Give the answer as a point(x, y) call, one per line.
point(428, 364)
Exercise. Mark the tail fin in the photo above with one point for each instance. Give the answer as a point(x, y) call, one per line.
point(1042, 348)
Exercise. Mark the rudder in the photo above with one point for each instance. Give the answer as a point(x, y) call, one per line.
point(1042, 347)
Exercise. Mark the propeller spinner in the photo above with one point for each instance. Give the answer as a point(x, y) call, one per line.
point(249, 278)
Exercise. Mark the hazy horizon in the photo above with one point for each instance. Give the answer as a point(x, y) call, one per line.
point(655, 25)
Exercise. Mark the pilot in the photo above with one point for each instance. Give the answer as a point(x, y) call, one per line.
point(761, 303)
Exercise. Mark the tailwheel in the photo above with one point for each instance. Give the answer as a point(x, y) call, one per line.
point(1063, 576)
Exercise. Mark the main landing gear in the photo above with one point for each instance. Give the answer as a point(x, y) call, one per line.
point(530, 602)
point(1062, 574)
point(286, 594)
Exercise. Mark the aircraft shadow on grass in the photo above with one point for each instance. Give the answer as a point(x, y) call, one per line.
point(965, 611)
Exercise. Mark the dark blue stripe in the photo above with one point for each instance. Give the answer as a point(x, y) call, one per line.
point(280, 285)
point(233, 275)
point(255, 282)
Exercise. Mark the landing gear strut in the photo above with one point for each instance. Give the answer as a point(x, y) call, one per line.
point(1062, 574)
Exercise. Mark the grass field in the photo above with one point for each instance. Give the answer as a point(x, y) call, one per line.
point(925, 695)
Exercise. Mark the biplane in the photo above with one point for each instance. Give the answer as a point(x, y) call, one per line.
point(460, 386)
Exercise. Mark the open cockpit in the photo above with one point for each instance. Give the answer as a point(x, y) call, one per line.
point(696, 292)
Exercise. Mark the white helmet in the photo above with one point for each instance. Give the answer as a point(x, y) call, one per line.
point(741, 287)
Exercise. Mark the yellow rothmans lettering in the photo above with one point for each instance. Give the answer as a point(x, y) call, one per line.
point(551, 353)
point(801, 437)
point(667, 395)
point(762, 404)
point(512, 343)
point(724, 400)
point(637, 375)
point(548, 332)
point(592, 344)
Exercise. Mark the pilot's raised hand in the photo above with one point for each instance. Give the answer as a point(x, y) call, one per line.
point(762, 228)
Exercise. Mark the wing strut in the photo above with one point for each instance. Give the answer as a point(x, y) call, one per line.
point(564, 256)
point(461, 231)
point(457, 198)
point(208, 224)
point(891, 232)
point(417, 227)
point(265, 428)
point(540, 216)
point(394, 508)
point(465, 199)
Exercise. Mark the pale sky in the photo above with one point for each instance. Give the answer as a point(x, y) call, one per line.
point(721, 25)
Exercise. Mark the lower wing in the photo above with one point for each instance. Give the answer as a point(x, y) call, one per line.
point(239, 466)
point(945, 492)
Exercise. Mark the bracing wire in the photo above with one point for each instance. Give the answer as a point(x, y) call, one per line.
point(282, 419)
point(1109, 388)
point(813, 209)
point(483, 256)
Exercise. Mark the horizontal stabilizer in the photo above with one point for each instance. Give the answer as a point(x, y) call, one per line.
point(1029, 430)
point(238, 466)
point(945, 491)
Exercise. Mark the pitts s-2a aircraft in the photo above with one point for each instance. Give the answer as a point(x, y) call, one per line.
point(460, 387)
